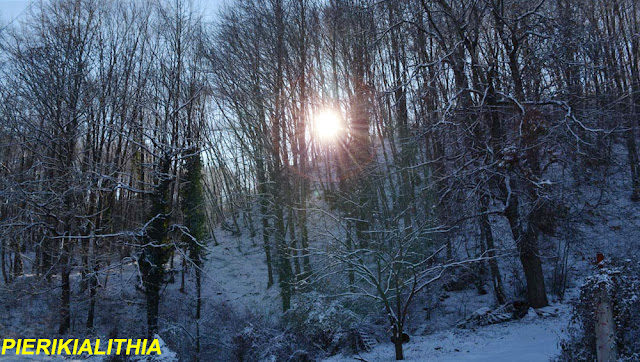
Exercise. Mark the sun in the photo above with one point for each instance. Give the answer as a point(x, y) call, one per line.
point(328, 125)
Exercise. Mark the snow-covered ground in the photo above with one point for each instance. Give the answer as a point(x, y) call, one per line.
point(236, 277)
point(532, 338)
point(236, 273)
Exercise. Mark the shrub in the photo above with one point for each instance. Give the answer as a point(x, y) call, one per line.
point(323, 323)
point(623, 285)
point(260, 343)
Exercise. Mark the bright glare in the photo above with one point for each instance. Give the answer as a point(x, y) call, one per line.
point(328, 125)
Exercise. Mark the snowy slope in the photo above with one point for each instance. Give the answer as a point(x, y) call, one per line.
point(236, 272)
point(530, 339)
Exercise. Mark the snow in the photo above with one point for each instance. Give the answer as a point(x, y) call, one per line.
point(533, 338)
point(236, 275)
point(236, 272)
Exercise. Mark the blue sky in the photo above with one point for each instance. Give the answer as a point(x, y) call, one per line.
point(10, 9)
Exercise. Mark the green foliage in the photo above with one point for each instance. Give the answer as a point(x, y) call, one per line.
point(156, 251)
point(193, 205)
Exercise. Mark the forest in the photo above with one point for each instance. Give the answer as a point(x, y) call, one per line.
point(294, 180)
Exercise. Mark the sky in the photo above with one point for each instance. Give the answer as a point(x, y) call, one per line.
point(12, 9)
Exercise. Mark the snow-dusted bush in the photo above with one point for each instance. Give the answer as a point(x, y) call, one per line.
point(623, 286)
point(261, 343)
point(323, 323)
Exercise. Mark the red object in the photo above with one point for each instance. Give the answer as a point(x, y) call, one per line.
point(599, 260)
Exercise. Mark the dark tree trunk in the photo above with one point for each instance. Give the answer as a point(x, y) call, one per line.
point(93, 284)
point(267, 250)
point(398, 340)
point(530, 259)
point(17, 260)
point(198, 306)
point(45, 259)
point(527, 243)
point(2, 261)
point(398, 347)
point(155, 255)
point(487, 235)
point(152, 294)
point(633, 163)
point(264, 210)
point(182, 271)
point(65, 300)
point(285, 273)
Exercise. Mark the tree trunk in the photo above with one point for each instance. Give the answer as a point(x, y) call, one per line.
point(267, 250)
point(485, 230)
point(398, 348)
point(65, 298)
point(198, 305)
point(2, 261)
point(182, 271)
point(285, 273)
point(397, 341)
point(17, 260)
point(154, 255)
point(264, 210)
point(45, 259)
point(152, 294)
point(527, 243)
point(93, 284)
point(633, 163)
point(530, 259)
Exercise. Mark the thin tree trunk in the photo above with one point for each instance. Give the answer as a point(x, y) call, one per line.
point(264, 209)
point(183, 271)
point(2, 261)
point(65, 297)
point(634, 164)
point(485, 230)
point(93, 285)
point(198, 305)
point(17, 260)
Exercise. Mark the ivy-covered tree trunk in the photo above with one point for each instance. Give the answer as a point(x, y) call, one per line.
point(155, 252)
point(195, 221)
